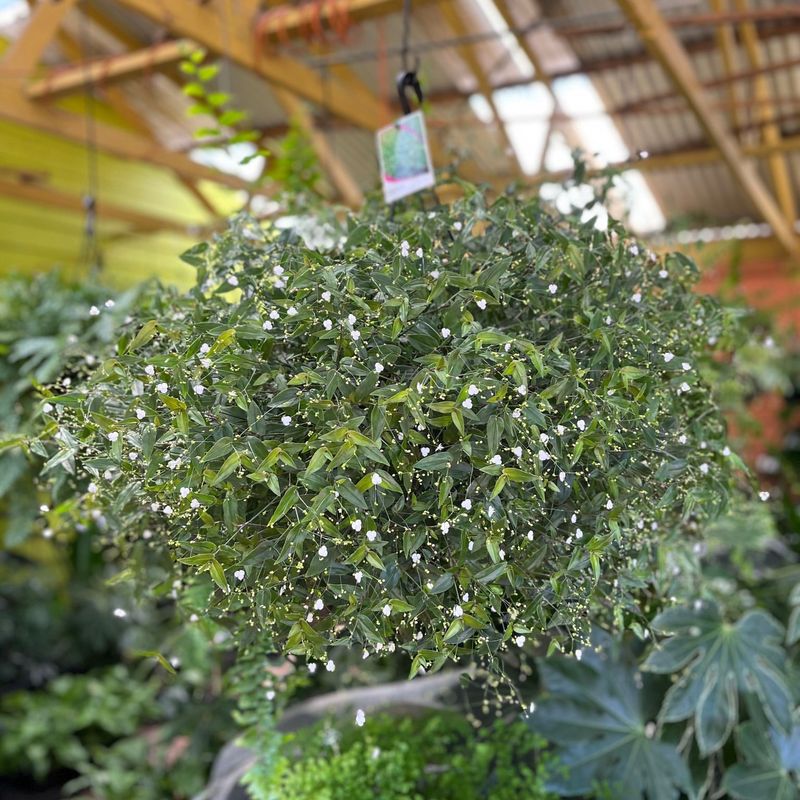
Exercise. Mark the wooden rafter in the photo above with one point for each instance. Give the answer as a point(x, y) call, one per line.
point(53, 198)
point(232, 35)
point(726, 44)
point(454, 18)
point(104, 71)
point(765, 114)
point(43, 23)
point(668, 51)
point(333, 166)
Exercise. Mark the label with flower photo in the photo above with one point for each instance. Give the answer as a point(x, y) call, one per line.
point(405, 158)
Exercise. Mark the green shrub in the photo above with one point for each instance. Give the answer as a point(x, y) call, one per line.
point(449, 434)
point(404, 758)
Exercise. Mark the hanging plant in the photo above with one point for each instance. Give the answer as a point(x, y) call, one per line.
point(451, 434)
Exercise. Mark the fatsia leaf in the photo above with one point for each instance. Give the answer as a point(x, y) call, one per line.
point(769, 766)
point(593, 712)
point(717, 661)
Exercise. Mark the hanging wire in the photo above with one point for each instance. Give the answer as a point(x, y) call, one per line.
point(90, 253)
point(405, 41)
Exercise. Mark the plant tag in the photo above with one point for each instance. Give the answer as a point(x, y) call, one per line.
point(404, 157)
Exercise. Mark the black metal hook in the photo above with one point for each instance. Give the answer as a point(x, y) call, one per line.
point(408, 80)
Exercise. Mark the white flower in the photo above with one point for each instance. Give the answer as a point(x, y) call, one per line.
point(376, 479)
point(562, 476)
point(185, 490)
point(420, 252)
point(206, 362)
point(351, 318)
point(472, 390)
point(416, 558)
point(358, 575)
point(496, 460)
point(286, 420)
point(522, 390)
point(323, 551)
point(404, 248)
point(560, 430)
point(445, 526)
point(573, 519)
point(155, 506)
point(195, 503)
point(372, 535)
point(329, 665)
point(579, 654)
point(109, 304)
point(47, 408)
point(386, 610)
point(162, 388)
point(481, 304)
point(326, 296)
point(233, 280)
point(327, 324)
point(204, 348)
point(199, 388)
point(517, 451)
point(516, 413)
point(466, 504)
point(609, 505)
point(270, 695)
point(445, 332)
point(120, 613)
point(378, 367)
point(636, 297)
point(685, 387)
point(239, 574)
point(686, 366)
point(458, 611)
point(113, 436)
point(581, 425)
point(520, 641)
point(434, 273)
point(470, 545)
point(312, 667)
point(668, 357)
point(173, 463)
point(457, 226)
point(167, 511)
point(608, 320)
point(267, 326)
point(274, 314)
point(94, 311)
point(424, 451)
point(141, 413)
point(704, 468)
point(278, 269)
point(356, 335)
point(150, 369)
point(47, 533)
point(552, 288)
point(578, 533)
point(356, 525)
point(764, 496)
point(726, 451)
point(291, 311)
point(467, 402)
point(318, 604)
point(544, 455)
point(682, 438)
point(662, 273)
point(361, 718)
point(92, 488)
point(544, 438)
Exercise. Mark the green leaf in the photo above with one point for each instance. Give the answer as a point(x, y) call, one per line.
point(143, 335)
point(218, 450)
point(154, 654)
point(434, 462)
point(716, 661)
point(229, 466)
point(286, 504)
point(769, 766)
point(218, 574)
point(594, 714)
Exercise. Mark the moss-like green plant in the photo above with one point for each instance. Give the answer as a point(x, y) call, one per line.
point(452, 433)
point(440, 757)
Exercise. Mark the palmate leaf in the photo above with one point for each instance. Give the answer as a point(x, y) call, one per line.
point(718, 661)
point(594, 713)
point(769, 766)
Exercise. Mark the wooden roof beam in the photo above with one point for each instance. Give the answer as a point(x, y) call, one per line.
point(455, 21)
point(43, 23)
point(765, 115)
point(102, 71)
point(218, 28)
point(666, 48)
